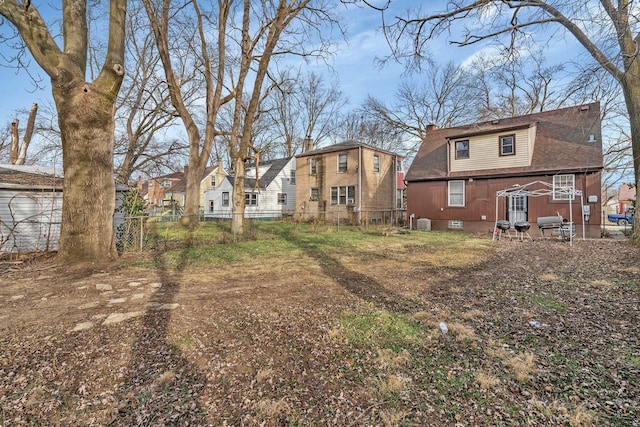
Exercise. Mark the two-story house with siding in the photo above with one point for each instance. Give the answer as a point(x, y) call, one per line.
point(351, 182)
point(269, 190)
point(154, 191)
point(458, 172)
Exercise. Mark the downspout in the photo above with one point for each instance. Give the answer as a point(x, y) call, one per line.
point(359, 184)
point(394, 192)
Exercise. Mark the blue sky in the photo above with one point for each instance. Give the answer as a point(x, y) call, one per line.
point(354, 64)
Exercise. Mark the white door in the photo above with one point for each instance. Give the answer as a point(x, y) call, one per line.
point(517, 208)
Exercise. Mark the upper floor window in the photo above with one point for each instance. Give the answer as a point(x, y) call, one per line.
point(456, 193)
point(376, 163)
point(213, 180)
point(507, 145)
point(313, 166)
point(166, 183)
point(282, 198)
point(315, 194)
point(251, 199)
point(225, 199)
point(342, 162)
point(398, 165)
point(293, 177)
point(563, 187)
point(462, 149)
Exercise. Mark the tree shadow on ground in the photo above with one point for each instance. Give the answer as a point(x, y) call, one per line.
point(360, 285)
point(161, 387)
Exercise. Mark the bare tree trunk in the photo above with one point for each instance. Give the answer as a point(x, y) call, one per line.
point(15, 142)
point(238, 196)
point(631, 90)
point(85, 117)
point(22, 155)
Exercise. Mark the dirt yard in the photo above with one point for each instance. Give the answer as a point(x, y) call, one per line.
point(538, 333)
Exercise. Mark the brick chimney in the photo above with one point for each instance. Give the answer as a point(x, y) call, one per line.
point(431, 127)
point(308, 144)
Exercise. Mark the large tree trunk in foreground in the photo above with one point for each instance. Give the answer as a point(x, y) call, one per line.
point(631, 89)
point(85, 116)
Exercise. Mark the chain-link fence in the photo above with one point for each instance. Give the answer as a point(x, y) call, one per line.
point(142, 233)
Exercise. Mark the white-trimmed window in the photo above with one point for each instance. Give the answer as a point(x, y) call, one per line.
point(376, 163)
point(345, 195)
point(456, 193)
point(282, 198)
point(251, 199)
point(462, 149)
point(398, 165)
point(166, 183)
point(563, 187)
point(508, 145)
point(313, 166)
point(211, 205)
point(342, 163)
point(293, 177)
point(399, 197)
point(225, 199)
point(456, 224)
point(315, 194)
point(213, 180)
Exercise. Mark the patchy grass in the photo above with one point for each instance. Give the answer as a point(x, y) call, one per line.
point(301, 325)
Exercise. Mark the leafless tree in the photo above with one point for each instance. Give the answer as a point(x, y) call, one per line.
point(437, 96)
point(144, 114)
point(247, 35)
point(18, 150)
point(304, 106)
point(85, 117)
point(609, 31)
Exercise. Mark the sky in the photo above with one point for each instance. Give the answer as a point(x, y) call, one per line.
point(354, 64)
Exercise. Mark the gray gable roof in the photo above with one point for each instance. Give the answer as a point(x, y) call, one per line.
point(276, 166)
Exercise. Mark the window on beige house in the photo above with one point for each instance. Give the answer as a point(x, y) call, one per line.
point(314, 195)
point(313, 166)
point(507, 145)
point(376, 163)
point(342, 162)
point(343, 195)
point(462, 149)
point(213, 180)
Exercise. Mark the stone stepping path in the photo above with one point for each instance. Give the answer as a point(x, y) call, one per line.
point(111, 298)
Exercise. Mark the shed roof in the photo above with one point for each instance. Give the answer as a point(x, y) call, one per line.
point(30, 177)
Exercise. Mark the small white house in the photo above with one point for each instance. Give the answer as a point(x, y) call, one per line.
point(269, 195)
point(31, 208)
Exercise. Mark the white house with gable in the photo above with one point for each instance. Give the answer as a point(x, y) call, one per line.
point(269, 191)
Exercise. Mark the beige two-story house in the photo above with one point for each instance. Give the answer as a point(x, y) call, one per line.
point(349, 182)
point(516, 169)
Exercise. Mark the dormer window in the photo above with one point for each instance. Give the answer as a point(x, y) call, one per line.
point(462, 149)
point(507, 145)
